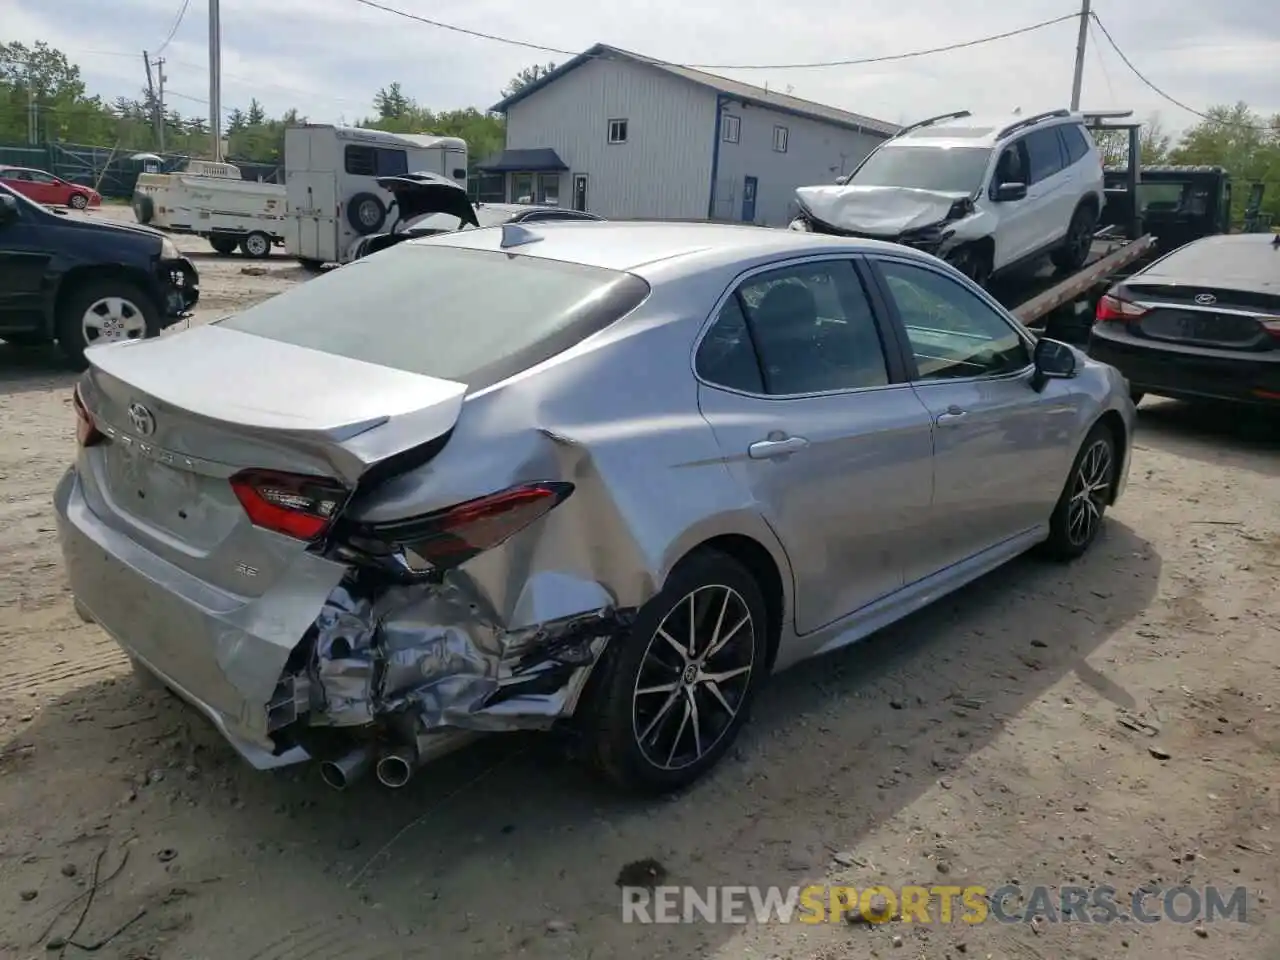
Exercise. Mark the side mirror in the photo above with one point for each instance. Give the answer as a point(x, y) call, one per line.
point(1054, 360)
point(1007, 192)
point(8, 208)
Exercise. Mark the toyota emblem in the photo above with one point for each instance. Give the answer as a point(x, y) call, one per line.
point(1204, 299)
point(144, 423)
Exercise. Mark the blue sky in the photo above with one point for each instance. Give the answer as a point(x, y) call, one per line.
point(328, 57)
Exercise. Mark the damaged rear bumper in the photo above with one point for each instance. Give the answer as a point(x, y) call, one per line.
point(331, 655)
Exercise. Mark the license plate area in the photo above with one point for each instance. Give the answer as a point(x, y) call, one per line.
point(1207, 329)
point(158, 495)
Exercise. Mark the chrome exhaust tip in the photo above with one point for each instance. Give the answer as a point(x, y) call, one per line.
point(396, 768)
point(346, 770)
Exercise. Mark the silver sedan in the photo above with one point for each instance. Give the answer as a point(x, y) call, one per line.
point(603, 476)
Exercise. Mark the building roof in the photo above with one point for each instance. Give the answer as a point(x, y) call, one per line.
point(746, 92)
point(525, 161)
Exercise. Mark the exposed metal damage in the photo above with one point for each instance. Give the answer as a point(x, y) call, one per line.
point(410, 671)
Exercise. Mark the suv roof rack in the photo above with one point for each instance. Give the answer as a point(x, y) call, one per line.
point(1032, 121)
point(924, 123)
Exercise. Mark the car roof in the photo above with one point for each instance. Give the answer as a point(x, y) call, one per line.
point(642, 247)
point(979, 131)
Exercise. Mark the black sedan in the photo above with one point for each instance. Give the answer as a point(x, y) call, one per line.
point(1202, 323)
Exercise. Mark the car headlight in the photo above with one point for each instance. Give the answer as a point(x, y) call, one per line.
point(167, 250)
point(800, 224)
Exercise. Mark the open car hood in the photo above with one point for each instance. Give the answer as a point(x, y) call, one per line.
point(418, 194)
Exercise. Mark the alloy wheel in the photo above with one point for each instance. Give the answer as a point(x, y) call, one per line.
point(1089, 490)
point(694, 677)
point(79, 201)
point(111, 319)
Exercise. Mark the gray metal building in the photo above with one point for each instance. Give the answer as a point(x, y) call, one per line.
point(621, 135)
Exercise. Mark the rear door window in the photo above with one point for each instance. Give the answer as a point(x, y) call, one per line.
point(1074, 142)
point(471, 316)
point(1045, 154)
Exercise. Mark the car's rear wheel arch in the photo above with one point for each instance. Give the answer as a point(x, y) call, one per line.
point(759, 562)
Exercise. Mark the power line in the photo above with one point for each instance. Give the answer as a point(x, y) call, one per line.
point(177, 22)
point(541, 48)
point(1177, 103)
point(1102, 64)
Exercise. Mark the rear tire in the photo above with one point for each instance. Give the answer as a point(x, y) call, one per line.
point(256, 245)
point(114, 309)
point(224, 246)
point(311, 266)
point(144, 209)
point(1081, 509)
point(1079, 240)
point(646, 695)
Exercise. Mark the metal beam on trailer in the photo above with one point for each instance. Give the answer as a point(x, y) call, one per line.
point(1078, 284)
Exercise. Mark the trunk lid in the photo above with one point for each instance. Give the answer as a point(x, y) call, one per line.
point(183, 414)
point(418, 194)
point(1205, 313)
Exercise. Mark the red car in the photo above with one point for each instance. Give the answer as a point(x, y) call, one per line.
point(47, 189)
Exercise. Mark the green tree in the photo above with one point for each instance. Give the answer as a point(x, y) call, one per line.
point(525, 77)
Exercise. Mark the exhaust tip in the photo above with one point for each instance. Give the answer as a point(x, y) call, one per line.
point(343, 772)
point(394, 771)
point(333, 775)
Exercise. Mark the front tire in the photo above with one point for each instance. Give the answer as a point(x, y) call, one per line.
point(1079, 514)
point(78, 201)
point(104, 311)
point(973, 262)
point(672, 694)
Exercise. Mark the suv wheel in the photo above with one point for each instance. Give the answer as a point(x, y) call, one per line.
point(1079, 240)
point(104, 311)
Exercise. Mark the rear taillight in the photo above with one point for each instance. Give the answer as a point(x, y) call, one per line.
point(87, 433)
point(1114, 310)
point(297, 506)
point(1271, 324)
point(447, 538)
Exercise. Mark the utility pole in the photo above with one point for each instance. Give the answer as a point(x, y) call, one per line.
point(151, 97)
point(160, 101)
point(215, 78)
point(1078, 78)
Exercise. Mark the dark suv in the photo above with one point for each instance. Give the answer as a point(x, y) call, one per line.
point(82, 282)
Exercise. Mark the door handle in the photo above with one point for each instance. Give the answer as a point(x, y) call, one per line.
point(951, 417)
point(764, 449)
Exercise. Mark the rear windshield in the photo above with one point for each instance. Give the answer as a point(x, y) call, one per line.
point(471, 316)
point(1240, 258)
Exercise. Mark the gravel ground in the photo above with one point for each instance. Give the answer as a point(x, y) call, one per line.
point(1116, 722)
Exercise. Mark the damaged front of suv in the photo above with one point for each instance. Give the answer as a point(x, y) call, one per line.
point(407, 541)
point(921, 196)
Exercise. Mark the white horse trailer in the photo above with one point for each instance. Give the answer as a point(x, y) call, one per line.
point(330, 177)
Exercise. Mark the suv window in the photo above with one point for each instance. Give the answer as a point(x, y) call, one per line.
point(953, 332)
point(813, 329)
point(1073, 139)
point(361, 161)
point(1045, 153)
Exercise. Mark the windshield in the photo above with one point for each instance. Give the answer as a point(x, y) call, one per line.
point(947, 169)
point(471, 316)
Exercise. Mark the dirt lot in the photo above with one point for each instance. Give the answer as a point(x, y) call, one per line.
point(1116, 722)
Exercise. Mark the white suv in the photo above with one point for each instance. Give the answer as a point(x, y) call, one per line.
point(984, 195)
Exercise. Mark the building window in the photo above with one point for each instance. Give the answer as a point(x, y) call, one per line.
point(617, 131)
point(779, 139)
point(522, 188)
point(549, 189)
point(730, 128)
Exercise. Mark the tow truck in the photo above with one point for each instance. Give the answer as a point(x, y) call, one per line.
point(1062, 308)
